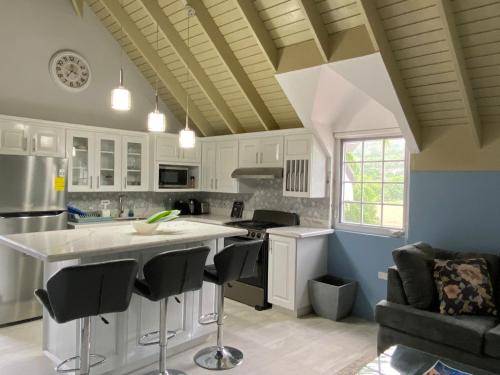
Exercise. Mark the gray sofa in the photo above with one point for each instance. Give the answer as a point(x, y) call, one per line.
point(474, 340)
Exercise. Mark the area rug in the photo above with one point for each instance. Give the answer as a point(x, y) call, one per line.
point(357, 365)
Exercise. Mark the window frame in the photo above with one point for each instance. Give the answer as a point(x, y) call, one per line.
point(339, 164)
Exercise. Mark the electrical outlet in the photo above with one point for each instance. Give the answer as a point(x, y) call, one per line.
point(382, 275)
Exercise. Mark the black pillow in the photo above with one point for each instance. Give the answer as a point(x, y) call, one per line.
point(415, 266)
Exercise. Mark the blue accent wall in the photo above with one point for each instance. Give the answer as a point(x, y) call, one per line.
point(452, 210)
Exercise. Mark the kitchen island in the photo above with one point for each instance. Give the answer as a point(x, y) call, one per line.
point(118, 340)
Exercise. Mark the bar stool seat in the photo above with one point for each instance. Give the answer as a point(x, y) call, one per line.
point(84, 291)
point(234, 262)
point(165, 275)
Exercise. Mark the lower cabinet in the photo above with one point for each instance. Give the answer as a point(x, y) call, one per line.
point(292, 263)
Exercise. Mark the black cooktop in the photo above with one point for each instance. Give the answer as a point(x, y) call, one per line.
point(264, 219)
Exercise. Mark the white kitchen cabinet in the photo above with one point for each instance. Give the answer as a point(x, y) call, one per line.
point(19, 138)
point(167, 150)
point(281, 276)
point(305, 167)
point(261, 152)
point(108, 162)
point(208, 166)
point(14, 138)
point(47, 141)
point(80, 146)
point(226, 163)
point(135, 163)
point(220, 159)
point(292, 263)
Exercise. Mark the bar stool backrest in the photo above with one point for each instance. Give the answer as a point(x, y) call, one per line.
point(175, 272)
point(237, 260)
point(92, 289)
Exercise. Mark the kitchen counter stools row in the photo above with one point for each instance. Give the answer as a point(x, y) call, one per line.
point(91, 290)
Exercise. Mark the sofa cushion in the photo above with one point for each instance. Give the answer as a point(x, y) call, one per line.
point(464, 332)
point(492, 260)
point(464, 287)
point(492, 342)
point(415, 269)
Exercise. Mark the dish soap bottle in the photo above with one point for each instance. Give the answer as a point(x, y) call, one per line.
point(105, 211)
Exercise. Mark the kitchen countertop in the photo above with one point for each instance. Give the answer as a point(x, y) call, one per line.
point(206, 218)
point(60, 245)
point(299, 231)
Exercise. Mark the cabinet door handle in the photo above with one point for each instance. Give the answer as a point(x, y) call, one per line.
point(256, 158)
point(91, 182)
point(98, 182)
point(211, 183)
point(34, 144)
point(215, 184)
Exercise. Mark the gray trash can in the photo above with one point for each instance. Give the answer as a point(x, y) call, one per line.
point(332, 297)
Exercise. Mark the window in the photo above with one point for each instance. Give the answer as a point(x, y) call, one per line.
point(372, 191)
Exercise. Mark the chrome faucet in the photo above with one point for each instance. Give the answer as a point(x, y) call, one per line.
point(121, 205)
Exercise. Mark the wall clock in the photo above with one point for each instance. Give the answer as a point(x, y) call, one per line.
point(70, 70)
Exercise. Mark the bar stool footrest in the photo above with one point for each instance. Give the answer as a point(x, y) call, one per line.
point(210, 318)
point(153, 338)
point(95, 360)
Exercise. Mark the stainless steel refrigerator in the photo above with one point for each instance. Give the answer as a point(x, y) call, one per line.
point(32, 199)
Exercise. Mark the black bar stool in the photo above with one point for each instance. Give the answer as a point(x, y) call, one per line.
point(84, 291)
point(165, 275)
point(234, 262)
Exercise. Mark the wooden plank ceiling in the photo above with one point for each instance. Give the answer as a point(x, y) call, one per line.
point(446, 53)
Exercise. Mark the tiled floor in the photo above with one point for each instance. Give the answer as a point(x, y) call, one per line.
point(273, 343)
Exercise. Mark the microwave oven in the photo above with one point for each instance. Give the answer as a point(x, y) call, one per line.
point(170, 177)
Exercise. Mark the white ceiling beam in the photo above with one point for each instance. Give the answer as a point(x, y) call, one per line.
point(457, 57)
point(411, 127)
point(156, 63)
point(78, 7)
point(317, 26)
point(259, 31)
point(233, 66)
point(180, 48)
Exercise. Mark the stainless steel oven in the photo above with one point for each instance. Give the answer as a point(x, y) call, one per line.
point(170, 177)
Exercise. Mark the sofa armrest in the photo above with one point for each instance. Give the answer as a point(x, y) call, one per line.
point(395, 291)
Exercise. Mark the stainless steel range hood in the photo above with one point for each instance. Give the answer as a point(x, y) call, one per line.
point(257, 173)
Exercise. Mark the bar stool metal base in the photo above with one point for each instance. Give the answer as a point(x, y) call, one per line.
point(95, 360)
point(168, 372)
point(212, 358)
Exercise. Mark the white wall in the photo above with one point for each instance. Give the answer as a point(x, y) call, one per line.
point(30, 32)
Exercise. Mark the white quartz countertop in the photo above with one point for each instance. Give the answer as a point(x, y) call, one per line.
point(78, 243)
point(205, 218)
point(299, 231)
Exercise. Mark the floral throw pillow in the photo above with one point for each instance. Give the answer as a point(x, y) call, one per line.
point(464, 287)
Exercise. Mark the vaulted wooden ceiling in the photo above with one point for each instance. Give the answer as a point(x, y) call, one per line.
point(443, 55)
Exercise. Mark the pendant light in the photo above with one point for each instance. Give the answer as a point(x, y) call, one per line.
point(156, 119)
point(187, 137)
point(120, 96)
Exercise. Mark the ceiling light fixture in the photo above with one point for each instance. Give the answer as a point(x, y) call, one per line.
point(120, 96)
point(187, 137)
point(156, 119)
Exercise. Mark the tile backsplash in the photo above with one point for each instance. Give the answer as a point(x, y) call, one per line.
point(266, 194)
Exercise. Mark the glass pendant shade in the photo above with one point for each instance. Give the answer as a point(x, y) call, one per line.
point(187, 138)
point(120, 96)
point(120, 99)
point(156, 121)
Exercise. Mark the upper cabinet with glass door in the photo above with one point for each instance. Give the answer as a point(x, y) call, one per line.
point(135, 163)
point(108, 162)
point(95, 161)
point(80, 146)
